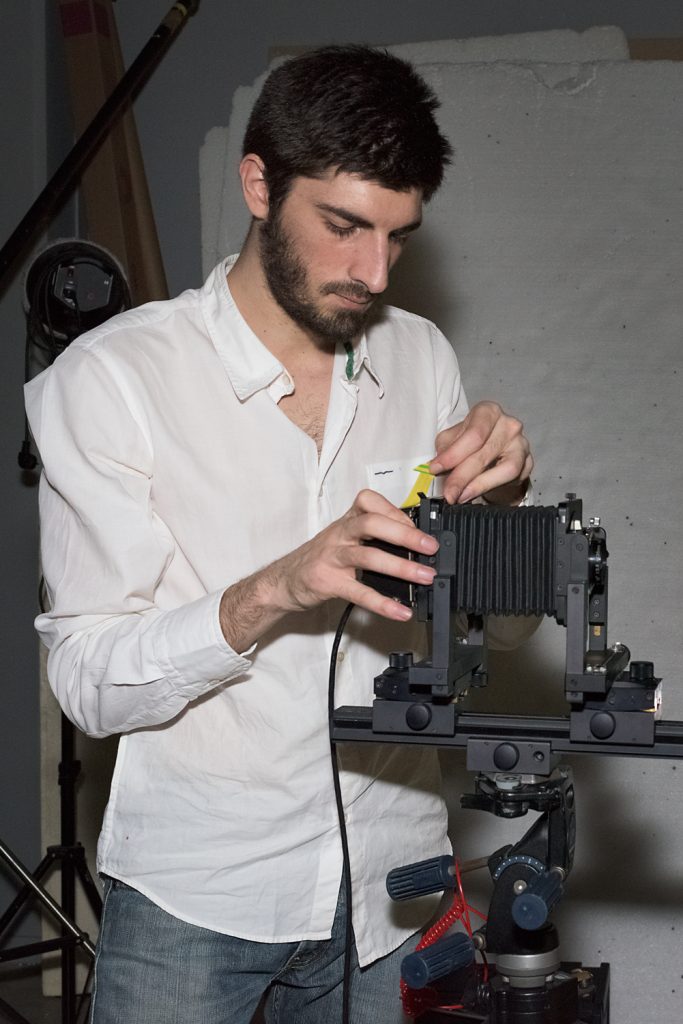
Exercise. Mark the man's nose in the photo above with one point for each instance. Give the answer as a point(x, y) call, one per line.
point(372, 264)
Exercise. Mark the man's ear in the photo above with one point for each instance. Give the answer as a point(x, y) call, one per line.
point(254, 188)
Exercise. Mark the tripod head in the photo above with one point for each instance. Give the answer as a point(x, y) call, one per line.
point(528, 983)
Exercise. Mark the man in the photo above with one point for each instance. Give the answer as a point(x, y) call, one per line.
point(213, 466)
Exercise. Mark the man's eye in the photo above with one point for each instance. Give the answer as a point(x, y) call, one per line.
point(341, 232)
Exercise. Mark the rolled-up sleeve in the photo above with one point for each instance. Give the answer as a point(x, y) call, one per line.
point(117, 661)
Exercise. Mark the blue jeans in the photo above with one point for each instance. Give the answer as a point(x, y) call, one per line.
point(152, 968)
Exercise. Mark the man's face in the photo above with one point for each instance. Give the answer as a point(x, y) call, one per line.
point(327, 251)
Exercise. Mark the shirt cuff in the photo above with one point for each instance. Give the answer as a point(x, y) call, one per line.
point(528, 498)
point(524, 502)
point(192, 651)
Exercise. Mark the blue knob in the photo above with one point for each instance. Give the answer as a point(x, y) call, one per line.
point(531, 908)
point(446, 955)
point(433, 875)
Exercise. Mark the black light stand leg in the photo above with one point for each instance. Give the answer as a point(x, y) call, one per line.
point(33, 887)
point(70, 855)
point(71, 937)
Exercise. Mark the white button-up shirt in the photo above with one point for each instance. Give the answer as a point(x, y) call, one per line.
point(170, 473)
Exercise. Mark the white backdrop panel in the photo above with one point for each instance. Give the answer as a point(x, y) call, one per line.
point(603, 42)
point(224, 219)
point(552, 259)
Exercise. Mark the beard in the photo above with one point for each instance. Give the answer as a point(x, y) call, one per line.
point(287, 278)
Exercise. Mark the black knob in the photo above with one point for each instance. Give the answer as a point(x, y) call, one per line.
point(531, 908)
point(641, 672)
point(412, 880)
point(400, 660)
point(418, 716)
point(505, 756)
point(602, 725)
point(446, 955)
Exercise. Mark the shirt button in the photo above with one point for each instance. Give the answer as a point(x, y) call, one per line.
point(341, 656)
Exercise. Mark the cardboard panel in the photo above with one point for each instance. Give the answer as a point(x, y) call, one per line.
point(117, 203)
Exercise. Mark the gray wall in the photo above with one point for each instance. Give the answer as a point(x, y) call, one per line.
point(31, 83)
point(221, 48)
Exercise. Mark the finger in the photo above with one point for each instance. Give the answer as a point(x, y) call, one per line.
point(368, 500)
point(503, 453)
point(401, 532)
point(504, 471)
point(485, 421)
point(528, 467)
point(497, 453)
point(366, 597)
point(373, 559)
point(445, 438)
point(460, 446)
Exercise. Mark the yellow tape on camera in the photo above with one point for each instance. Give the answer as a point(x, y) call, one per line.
point(422, 485)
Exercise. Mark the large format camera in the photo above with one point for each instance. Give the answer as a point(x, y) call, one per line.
point(540, 561)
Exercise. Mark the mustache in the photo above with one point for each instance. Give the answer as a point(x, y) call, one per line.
point(348, 290)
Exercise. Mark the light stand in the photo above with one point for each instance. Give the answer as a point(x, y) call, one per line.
point(70, 287)
point(65, 288)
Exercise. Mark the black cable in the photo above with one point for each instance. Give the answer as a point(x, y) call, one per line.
point(348, 939)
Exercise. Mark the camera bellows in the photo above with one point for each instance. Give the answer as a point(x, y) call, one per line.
point(504, 559)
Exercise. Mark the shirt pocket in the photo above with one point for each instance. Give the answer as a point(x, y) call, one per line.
point(402, 481)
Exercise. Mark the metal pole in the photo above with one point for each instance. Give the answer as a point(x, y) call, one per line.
point(65, 178)
point(44, 896)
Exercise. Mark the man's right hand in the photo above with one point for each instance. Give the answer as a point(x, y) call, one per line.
point(327, 566)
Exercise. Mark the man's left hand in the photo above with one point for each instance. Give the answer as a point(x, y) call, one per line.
point(487, 454)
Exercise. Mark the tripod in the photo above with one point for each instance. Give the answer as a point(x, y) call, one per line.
point(70, 856)
point(529, 983)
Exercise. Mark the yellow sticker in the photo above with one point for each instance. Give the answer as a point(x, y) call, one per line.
point(421, 485)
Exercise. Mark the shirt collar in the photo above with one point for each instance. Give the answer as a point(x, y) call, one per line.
point(248, 363)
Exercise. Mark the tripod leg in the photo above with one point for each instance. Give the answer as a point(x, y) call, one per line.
point(46, 899)
point(68, 965)
point(89, 884)
point(22, 896)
